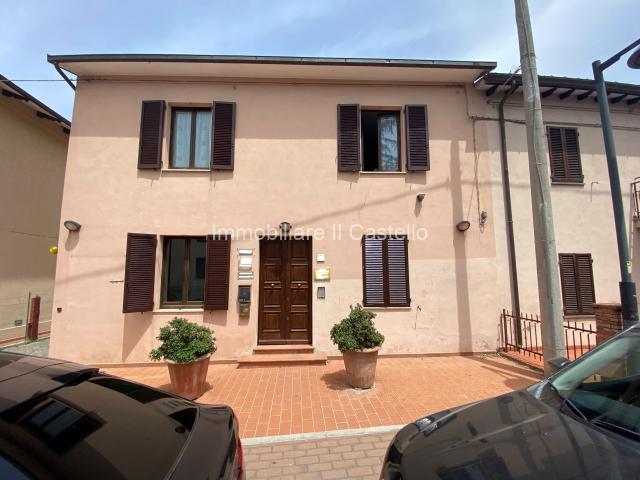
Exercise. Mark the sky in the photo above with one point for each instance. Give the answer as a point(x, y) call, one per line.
point(568, 34)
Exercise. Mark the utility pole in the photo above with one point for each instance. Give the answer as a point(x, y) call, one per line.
point(546, 257)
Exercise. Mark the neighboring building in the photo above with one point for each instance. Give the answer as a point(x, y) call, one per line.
point(179, 165)
point(33, 152)
point(580, 193)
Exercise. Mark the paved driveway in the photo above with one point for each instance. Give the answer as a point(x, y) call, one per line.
point(352, 457)
point(278, 401)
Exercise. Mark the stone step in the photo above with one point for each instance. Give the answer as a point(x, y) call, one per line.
point(282, 349)
point(284, 359)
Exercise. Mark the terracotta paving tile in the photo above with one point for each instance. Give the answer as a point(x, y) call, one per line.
point(281, 400)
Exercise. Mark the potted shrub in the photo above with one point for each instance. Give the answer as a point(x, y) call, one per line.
point(186, 347)
point(359, 341)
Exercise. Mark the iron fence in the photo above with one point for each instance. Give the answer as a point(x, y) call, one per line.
point(522, 335)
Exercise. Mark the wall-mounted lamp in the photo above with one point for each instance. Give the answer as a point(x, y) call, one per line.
point(463, 225)
point(420, 197)
point(72, 225)
point(285, 227)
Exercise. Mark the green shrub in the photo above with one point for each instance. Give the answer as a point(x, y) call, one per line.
point(357, 331)
point(183, 341)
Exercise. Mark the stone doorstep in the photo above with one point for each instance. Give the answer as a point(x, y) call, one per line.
point(282, 355)
point(282, 349)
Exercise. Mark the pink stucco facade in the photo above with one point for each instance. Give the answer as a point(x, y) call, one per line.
point(285, 170)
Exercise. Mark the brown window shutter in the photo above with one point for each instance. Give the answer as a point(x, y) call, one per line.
point(151, 130)
point(348, 138)
point(564, 155)
point(216, 283)
point(373, 271)
point(556, 154)
point(576, 275)
point(417, 125)
point(139, 273)
point(569, 284)
point(223, 131)
point(572, 152)
point(397, 272)
point(586, 291)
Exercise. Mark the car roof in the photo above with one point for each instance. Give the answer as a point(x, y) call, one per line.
point(24, 376)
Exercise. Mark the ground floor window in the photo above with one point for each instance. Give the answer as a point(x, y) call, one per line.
point(183, 274)
point(576, 277)
point(385, 271)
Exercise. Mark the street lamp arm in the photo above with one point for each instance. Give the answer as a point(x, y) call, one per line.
point(606, 64)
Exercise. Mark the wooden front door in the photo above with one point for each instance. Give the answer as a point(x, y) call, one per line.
point(285, 291)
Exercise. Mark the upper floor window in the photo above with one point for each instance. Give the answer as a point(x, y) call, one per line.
point(564, 155)
point(380, 141)
point(369, 139)
point(190, 138)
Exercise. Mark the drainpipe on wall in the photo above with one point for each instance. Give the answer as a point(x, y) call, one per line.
point(64, 75)
point(508, 212)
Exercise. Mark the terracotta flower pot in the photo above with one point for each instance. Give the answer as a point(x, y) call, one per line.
point(361, 367)
point(188, 379)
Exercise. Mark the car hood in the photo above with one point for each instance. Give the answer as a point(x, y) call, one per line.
point(522, 435)
point(23, 377)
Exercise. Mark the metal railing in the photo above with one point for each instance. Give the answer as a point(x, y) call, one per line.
point(522, 335)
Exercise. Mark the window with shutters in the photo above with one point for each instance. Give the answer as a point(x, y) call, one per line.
point(369, 139)
point(380, 141)
point(183, 273)
point(190, 138)
point(576, 276)
point(564, 155)
point(385, 269)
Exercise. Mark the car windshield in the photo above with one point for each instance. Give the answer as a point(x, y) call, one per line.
point(104, 427)
point(604, 386)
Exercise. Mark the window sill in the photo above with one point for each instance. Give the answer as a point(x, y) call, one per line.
point(186, 170)
point(388, 309)
point(179, 310)
point(578, 317)
point(382, 173)
point(560, 182)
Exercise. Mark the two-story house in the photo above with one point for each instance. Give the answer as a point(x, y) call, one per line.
point(316, 183)
point(262, 196)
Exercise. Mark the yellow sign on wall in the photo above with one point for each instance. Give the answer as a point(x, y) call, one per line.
point(322, 273)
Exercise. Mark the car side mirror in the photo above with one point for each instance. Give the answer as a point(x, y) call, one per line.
point(558, 363)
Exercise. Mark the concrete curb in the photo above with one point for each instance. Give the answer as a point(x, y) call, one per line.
point(320, 435)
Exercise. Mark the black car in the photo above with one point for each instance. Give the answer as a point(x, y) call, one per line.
point(61, 420)
point(581, 423)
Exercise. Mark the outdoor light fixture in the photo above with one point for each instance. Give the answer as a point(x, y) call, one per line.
point(420, 196)
point(634, 59)
point(285, 227)
point(72, 225)
point(463, 225)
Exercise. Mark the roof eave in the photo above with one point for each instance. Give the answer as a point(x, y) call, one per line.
point(4, 82)
point(563, 82)
point(272, 60)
